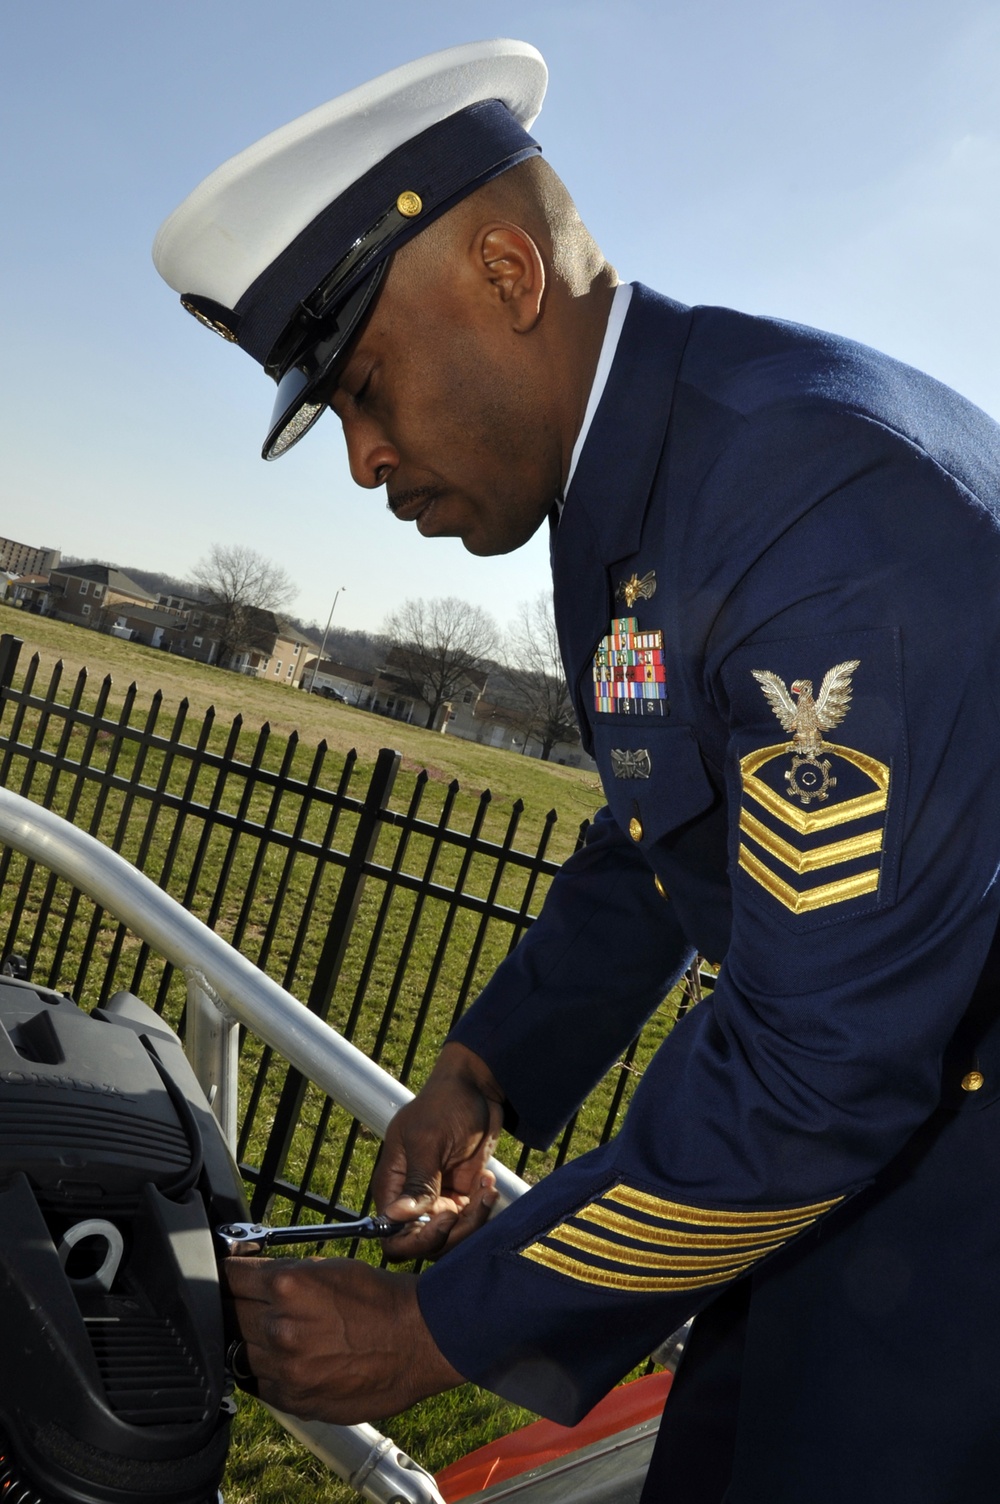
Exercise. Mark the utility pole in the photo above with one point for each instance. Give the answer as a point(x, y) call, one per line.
point(326, 633)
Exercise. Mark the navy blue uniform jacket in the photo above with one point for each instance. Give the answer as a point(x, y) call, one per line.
point(813, 529)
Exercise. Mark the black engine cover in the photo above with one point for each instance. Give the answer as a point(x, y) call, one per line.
point(113, 1172)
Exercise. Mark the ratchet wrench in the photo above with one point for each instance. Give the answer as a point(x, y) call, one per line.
point(252, 1237)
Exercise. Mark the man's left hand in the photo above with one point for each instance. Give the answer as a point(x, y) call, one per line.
point(334, 1339)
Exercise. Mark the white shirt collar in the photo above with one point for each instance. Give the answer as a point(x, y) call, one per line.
point(612, 334)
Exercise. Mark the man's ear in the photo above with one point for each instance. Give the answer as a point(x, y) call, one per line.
point(513, 268)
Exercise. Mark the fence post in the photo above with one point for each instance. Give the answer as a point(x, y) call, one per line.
point(10, 649)
point(345, 909)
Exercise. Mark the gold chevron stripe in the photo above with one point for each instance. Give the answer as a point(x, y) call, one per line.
point(668, 1237)
point(821, 897)
point(613, 1279)
point(810, 861)
point(640, 1258)
point(702, 1216)
point(806, 821)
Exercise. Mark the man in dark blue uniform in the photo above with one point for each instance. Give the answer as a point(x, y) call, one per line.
point(776, 559)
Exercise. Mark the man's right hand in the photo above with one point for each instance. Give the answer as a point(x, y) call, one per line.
point(435, 1155)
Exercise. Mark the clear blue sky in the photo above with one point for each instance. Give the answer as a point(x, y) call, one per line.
point(832, 161)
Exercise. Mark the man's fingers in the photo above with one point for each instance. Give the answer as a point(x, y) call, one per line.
point(420, 1240)
point(451, 1220)
point(473, 1215)
point(433, 1163)
point(247, 1278)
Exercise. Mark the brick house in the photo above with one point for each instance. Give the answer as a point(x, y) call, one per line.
point(91, 594)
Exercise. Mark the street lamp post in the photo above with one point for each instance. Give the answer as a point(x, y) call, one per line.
point(326, 633)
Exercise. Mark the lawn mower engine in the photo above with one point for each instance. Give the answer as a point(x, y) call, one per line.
point(113, 1172)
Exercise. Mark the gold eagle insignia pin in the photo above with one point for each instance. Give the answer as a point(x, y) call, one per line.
point(635, 589)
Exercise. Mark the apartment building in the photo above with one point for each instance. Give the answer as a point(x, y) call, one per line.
point(25, 558)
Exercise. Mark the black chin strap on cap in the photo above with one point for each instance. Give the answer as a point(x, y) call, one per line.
point(298, 403)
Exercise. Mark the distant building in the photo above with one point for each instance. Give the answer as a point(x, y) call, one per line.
point(182, 602)
point(401, 677)
point(367, 688)
point(337, 680)
point(278, 653)
point(502, 724)
point(31, 592)
point(25, 558)
point(147, 624)
point(195, 633)
point(494, 722)
point(91, 595)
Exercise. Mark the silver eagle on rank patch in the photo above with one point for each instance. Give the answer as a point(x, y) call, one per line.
point(805, 717)
point(626, 763)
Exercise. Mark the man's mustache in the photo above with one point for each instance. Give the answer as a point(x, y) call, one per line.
point(400, 499)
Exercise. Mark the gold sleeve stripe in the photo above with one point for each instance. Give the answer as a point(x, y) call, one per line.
point(813, 898)
point(669, 1237)
point(651, 1259)
point(589, 1274)
point(640, 1258)
point(702, 1216)
point(810, 861)
point(806, 821)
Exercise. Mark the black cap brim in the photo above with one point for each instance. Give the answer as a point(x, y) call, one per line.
point(304, 387)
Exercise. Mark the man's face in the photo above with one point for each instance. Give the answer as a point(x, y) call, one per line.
point(439, 404)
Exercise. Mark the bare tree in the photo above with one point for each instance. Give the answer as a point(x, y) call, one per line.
point(240, 587)
point(533, 668)
point(435, 646)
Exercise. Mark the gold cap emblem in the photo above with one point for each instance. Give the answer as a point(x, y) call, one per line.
point(216, 325)
point(409, 203)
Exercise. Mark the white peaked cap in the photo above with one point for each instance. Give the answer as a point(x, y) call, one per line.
point(254, 249)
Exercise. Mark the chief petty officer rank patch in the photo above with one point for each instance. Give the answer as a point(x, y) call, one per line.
point(812, 816)
point(630, 675)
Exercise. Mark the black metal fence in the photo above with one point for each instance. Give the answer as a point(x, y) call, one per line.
point(376, 898)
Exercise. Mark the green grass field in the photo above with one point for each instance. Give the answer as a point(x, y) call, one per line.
point(574, 793)
point(265, 1465)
